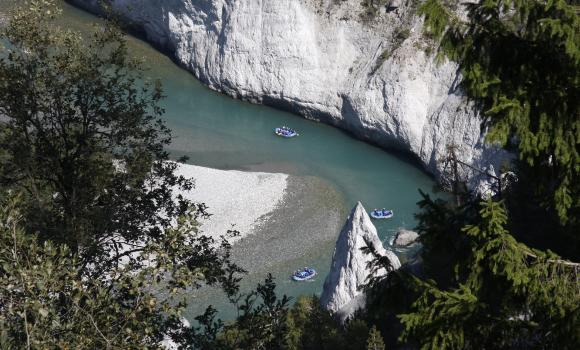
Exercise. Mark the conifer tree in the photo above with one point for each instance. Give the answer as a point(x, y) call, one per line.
point(520, 63)
point(375, 340)
point(483, 289)
point(512, 296)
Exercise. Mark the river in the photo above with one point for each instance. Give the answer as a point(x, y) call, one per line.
point(331, 170)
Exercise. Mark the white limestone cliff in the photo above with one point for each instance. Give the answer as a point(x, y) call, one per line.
point(349, 270)
point(323, 60)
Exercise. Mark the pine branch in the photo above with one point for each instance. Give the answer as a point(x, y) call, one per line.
point(554, 261)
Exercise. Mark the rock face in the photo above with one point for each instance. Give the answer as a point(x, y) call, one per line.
point(348, 272)
point(405, 237)
point(327, 60)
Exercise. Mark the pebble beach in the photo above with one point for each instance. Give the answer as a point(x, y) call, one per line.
point(236, 200)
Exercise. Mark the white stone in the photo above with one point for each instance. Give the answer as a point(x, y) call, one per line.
point(405, 237)
point(395, 3)
point(321, 60)
point(349, 269)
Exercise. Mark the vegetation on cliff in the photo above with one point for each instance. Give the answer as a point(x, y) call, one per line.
point(482, 288)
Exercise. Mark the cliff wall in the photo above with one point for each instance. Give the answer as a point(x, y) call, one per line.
point(328, 60)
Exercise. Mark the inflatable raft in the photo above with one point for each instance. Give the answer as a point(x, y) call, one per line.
point(304, 274)
point(285, 132)
point(381, 214)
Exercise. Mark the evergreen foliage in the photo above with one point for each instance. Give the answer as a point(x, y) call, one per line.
point(304, 326)
point(259, 325)
point(520, 62)
point(375, 341)
point(511, 297)
point(482, 288)
point(310, 327)
point(445, 249)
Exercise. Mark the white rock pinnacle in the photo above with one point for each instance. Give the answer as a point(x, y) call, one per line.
point(349, 271)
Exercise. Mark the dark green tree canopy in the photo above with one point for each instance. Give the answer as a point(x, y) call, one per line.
point(96, 248)
point(520, 61)
point(83, 138)
point(47, 303)
point(509, 295)
point(480, 288)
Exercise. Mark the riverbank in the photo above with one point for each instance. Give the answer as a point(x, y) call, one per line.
point(236, 200)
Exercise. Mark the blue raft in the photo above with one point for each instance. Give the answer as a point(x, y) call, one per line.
point(285, 132)
point(304, 274)
point(381, 214)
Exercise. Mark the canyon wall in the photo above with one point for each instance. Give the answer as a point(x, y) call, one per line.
point(371, 74)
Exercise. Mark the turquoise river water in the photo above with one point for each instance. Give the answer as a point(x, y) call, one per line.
point(220, 132)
